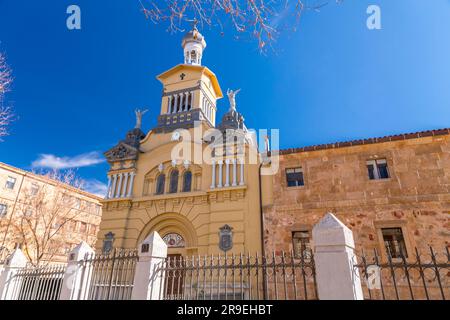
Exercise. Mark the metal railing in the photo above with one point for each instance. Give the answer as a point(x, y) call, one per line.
point(109, 276)
point(418, 276)
point(38, 283)
point(238, 277)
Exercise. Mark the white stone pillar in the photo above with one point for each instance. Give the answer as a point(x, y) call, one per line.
point(130, 187)
point(219, 184)
point(113, 190)
point(9, 283)
point(108, 188)
point(227, 172)
point(213, 174)
point(234, 173)
point(77, 277)
point(334, 259)
point(241, 182)
point(125, 184)
point(187, 99)
point(119, 187)
point(148, 278)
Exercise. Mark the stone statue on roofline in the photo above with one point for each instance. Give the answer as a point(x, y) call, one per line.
point(232, 98)
point(139, 113)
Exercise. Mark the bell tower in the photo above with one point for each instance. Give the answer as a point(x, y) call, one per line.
point(190, 90)
point(193, 45)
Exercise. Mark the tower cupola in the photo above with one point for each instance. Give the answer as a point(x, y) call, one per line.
point(193, 45)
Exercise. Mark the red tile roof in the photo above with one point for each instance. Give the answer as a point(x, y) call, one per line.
point(406, 136)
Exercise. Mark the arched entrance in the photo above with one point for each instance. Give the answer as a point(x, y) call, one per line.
point(177, 232)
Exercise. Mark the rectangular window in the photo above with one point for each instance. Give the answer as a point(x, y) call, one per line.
point(301, 245)
point(3, 209)
point(10, 183)
point(394, 242)
point(294, 177)
point(77, 203)
point(83, 227)
point(34, 189)
point(98, 209)
point(28, 212)
point(377, 169)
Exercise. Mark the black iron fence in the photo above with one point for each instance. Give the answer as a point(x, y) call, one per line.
point(238, 277)
point(416, 276)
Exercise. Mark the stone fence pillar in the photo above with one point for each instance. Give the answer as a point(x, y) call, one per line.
point(9, 284)
point(77, 276)
point(148, 278)
point(334, 258)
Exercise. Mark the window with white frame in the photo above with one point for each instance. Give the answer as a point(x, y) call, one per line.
point(3, 209)
point(34, 188)
point(28, 212)
point(77, 203)
point(377, 169)
point(10, 183)
point(294, 177)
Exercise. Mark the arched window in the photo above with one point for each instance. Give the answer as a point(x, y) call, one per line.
point(174, 240)
point(160, 182)
point(173, 181)
point(193, 56)
point(187, 181)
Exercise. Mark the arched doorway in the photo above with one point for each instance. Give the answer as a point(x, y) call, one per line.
point(177, 232)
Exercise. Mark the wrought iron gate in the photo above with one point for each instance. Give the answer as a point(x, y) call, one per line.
point(109, 276)
point(239, 277)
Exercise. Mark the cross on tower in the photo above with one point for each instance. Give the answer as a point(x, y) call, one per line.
point(194, 23)
point(182, 76)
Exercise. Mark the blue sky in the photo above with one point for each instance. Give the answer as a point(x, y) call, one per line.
point(332, 80)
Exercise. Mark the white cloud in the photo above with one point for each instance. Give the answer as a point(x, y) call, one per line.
point(54, 162)
point(96, 187)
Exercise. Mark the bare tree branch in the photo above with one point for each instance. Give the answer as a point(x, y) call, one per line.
point(6, 114)
point(258, 18)
point(43, 215)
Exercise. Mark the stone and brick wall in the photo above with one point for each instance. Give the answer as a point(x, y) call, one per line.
point(415, 198)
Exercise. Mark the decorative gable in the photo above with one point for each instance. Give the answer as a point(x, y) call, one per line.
point(121, 151)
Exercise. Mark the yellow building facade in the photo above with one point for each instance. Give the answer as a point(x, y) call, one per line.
point(194, 182)
point(200, 182)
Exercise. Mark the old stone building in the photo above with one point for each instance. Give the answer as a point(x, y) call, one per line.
point(45, 217)
point(393, 192)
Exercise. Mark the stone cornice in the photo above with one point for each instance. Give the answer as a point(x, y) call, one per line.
point(399, 137)
point(170, 93)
